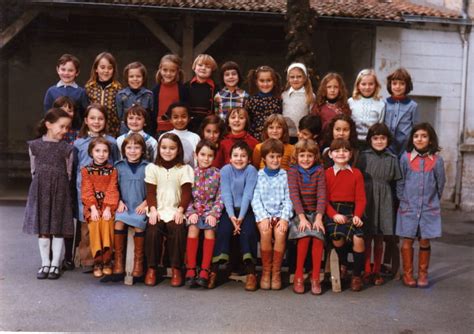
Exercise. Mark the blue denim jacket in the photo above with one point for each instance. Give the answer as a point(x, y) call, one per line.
point(126, 98)
point(400, 116)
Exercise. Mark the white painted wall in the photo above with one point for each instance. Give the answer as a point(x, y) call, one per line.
point(433, 56)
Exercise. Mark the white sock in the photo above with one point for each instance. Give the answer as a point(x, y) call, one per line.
point(58, 245)
point(44, 247)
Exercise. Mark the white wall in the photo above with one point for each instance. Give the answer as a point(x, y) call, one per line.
point(434, 60)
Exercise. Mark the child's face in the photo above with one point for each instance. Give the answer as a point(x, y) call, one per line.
point(203, 71)
point(211, 132)
point(179, 118)
point(398, 87)
point(239, 158)
point(100, 154)
point(69, 109)
point(306, 159)
point(133, 152)
point(104, 70)
point(135, 78)
point(58, 129)
point(341, 156)
point(168, 149)
point(265, 82)
point(169, 72)
point(296, 78)
point(136, 123)
point(95, 121)
point(341, 130)
point(231, 78)
point(237, 122)
point(306, 134)
point(367, 85)
point(272, 160)
point(421, 140)
point(67, 72)
point(379, 142)
point(332, 89)
point(205, 157)
point(275, 131)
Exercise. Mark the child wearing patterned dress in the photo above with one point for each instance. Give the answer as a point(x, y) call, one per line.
point(367, 107)
point(298, 97)
point(401, 112)
point(203, 213)
point(273, 209)
point(132, 206)
point(238, 180)
point(94, 125)
point(213, 129)
point(102, 88)
point(331, 99)
point(231, 96)
point(264, 90)
point(135, 94)
point(48, 210)
point(275, 127)
point(420, 191)
point(168, 182)
point(238, 123)
point(307, 184)
point(345, 206)
point(100, 198)
point(135, 118)
point(67, 104)
point(380, 168)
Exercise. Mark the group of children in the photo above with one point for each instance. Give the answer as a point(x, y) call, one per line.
point(265, 167)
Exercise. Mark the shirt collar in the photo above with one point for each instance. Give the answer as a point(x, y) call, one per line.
point(415, 153)
point(141, 132)
point(62, 84)
point(209, 81)
point(337, 169)
point(292, 90)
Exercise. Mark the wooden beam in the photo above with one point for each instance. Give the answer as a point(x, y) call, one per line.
point(160, 33)
point(213, 36)
point(188, 46)
point(16, 27)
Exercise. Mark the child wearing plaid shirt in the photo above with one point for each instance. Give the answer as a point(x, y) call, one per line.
point(273, 209)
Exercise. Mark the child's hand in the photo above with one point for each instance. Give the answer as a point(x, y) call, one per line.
point(179, 216)
point(357, 221)
point(265, 224)
point(282, 225)
point(340, 219)
point(154, 216)
point(106, 215)
point(318, 224)
point(236, 222)
point(94, 213)
point(193, 219)
point(141, 209)
point(304, 224)
point(212, 221)
point(122, 207)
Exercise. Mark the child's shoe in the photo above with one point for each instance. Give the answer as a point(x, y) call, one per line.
point(423, 264)
point(378, 280)
point(68, 265)
point(190, 278)
point(107, 270)
point(176, 279)
point(356, 283)
point(97, 271)
point(276, 270)
point(315, 286)
point(298, 285)
point(265, 280)
point(43, 273)
point(150, 277)
point(251, 282)
point(203, 279)
point(53, 273)
point(212, 280)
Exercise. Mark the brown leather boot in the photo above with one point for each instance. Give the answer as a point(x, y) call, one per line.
point(251, 282)
point(119, 243)
point(423, 264)
point(407, 259)
point(138, 257)
point(176, 279)
point(107, 258)
point(276, 270)
point(266, 269)
point(212, 280)
point(150, 277)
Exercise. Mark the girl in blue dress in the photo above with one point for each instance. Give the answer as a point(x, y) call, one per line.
point(132, 206)
point(419, 192)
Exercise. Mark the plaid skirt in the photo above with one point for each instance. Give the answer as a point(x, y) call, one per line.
point(346, 231)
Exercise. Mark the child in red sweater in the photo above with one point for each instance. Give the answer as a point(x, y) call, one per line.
point(346, 204)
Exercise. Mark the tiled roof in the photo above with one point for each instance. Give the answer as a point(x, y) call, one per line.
point(392, 10)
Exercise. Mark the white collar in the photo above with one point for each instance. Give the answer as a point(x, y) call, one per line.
point(415, 153)
point(292, 90)
point(141, 132)
point(62, 84)
point(337, 169)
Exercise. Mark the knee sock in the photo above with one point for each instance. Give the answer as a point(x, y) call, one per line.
point(301, 251)
point(316, 254)
point(358, 263)
point(191, 252)
point(342, 254)
point(44, 247)
point(208, 249)
point(68, 245)
point(378, 251)
point(57, 246)
point(368, 255)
